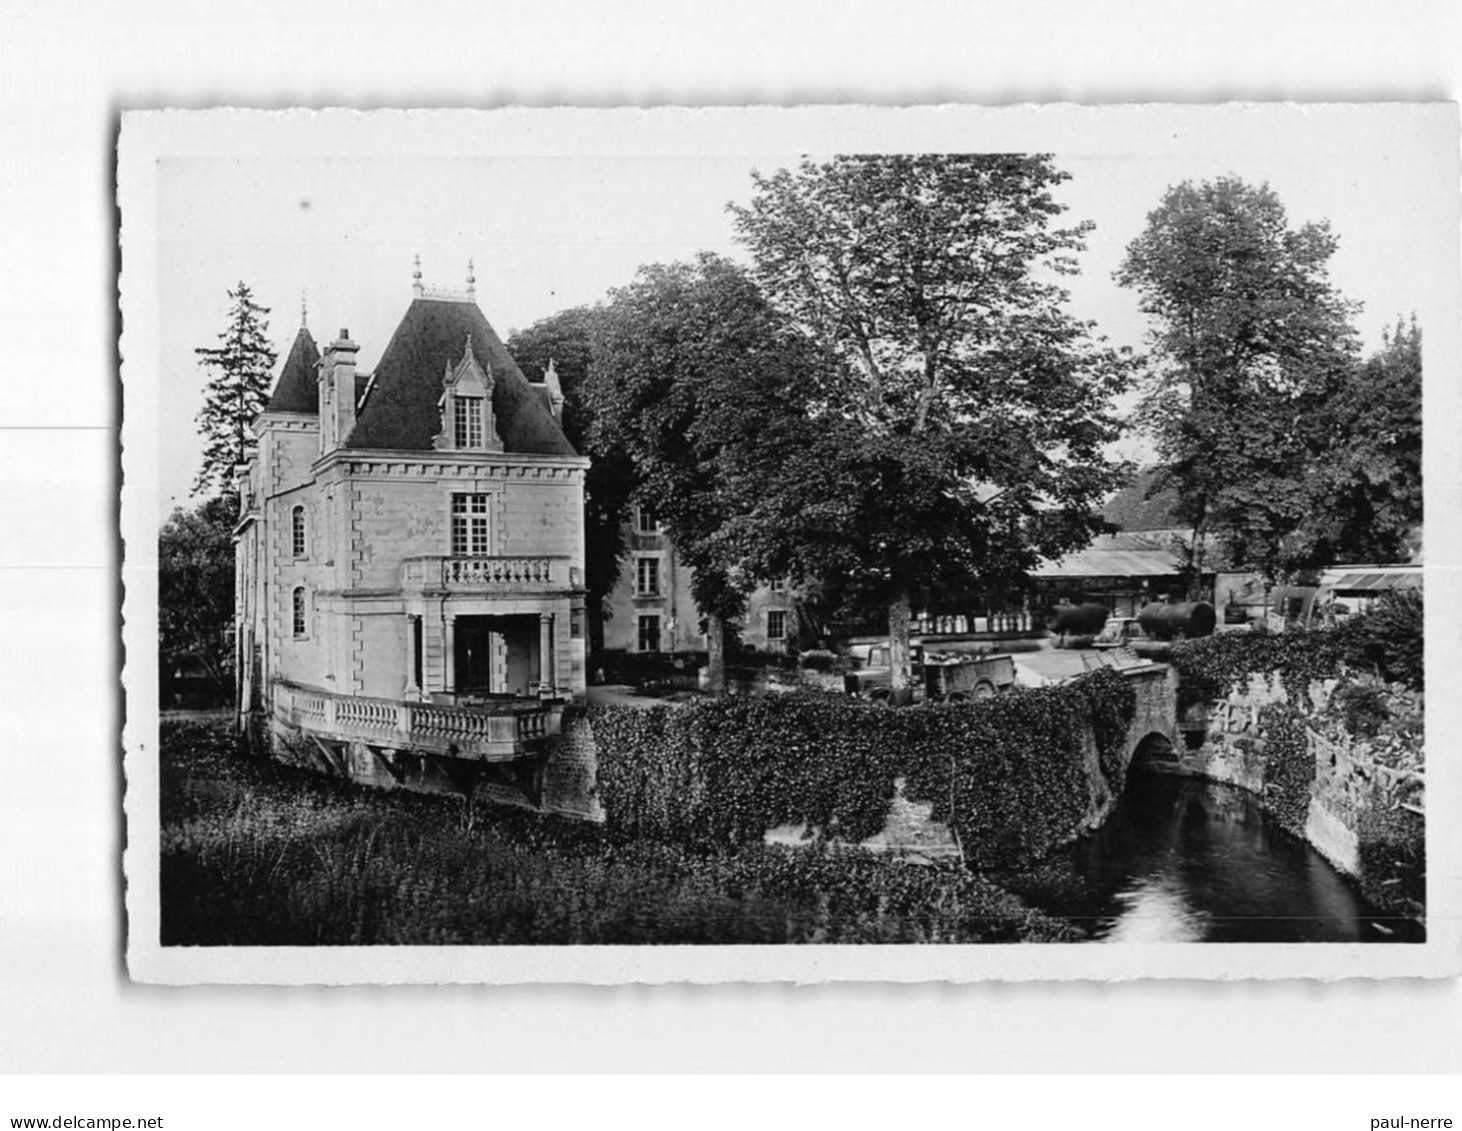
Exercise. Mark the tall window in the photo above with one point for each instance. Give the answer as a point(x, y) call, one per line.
point(649, 521)
point(469, 525)
point(297, 530)
point(299, 611)
point(649, 634)
point(467, 423)
point(647, 577)
point(776, 624)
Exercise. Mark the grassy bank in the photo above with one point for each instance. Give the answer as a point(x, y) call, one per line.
point(254, 853)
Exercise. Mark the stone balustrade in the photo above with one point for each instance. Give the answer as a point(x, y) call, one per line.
point(486, 574)
point(497, 731)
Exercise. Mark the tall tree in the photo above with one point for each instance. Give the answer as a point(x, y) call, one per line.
point(565, 341)
point(699, 382)
point(964, 431)
point(1366, 497)
point(195, 575)
point(236, 392)
point(1252, 341)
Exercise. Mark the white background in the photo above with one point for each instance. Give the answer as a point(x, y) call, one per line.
point(69, 69)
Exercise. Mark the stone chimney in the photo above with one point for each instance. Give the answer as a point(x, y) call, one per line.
point(337, 392)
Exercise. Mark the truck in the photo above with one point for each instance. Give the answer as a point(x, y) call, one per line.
point(952, 676)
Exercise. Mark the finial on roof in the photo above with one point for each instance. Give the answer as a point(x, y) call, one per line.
point(416, 276)
point(304, 311)
point(471, 280)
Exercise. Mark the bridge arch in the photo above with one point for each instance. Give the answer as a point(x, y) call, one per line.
point(1152, 737)
point(1154, 750)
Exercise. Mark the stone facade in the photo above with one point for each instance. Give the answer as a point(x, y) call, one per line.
point(651, 607)
point(416, 539)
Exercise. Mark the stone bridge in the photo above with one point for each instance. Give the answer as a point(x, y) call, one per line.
point(1154, 736)
point(1154, 739)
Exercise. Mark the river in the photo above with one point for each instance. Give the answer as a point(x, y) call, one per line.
point(1185, 860)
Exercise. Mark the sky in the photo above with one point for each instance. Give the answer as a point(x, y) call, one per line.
point(338, 228)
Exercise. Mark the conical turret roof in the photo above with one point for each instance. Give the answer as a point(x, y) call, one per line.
point(297, 389)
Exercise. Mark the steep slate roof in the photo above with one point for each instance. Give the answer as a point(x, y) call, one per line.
point(402, 411)
point(297, 389)
point(1131, 509)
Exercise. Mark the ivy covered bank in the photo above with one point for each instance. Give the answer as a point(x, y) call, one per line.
point(1326, 728)
point(1011, 776)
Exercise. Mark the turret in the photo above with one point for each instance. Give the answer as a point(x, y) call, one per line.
point(337, 392)
point(555, 391)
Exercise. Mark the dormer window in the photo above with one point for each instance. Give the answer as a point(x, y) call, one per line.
point(467, 421)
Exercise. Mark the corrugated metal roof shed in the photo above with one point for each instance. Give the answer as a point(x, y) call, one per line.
point(1149, 553)
point(1363, 580)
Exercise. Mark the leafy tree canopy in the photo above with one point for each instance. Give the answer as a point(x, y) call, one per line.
point(566, 341)
point(195, 573)
point(1251, 341)
point(702, 386)
point(1367, 498)
point(961, 437)
point(237, 391)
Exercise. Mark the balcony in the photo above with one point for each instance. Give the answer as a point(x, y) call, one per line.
point(491, 575)
point(497, 731)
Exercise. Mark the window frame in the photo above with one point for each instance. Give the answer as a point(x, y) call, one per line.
point(647, 563)
point(469, 532)
point(299, 541)
point(300, 612)
point(646, 520)
point(469, 432)
point(640, 635)
point(774, 616)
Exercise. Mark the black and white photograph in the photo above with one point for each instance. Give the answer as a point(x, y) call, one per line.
point(760, 545)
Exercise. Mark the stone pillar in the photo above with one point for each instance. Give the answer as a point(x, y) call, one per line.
point(450, 658)
point(545, 652)
point(413, 629)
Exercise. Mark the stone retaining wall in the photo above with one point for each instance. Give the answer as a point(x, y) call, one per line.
point(1351, 787)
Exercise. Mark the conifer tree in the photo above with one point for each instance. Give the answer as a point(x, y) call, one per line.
point(237, 391)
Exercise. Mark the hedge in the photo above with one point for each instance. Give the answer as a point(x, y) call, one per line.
point(1008, 774)
point(1387, 641)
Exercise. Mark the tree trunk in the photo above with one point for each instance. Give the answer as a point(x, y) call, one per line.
point(715, 654)
point(900, 674)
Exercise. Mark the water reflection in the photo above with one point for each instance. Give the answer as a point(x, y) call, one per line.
point(1183, 860)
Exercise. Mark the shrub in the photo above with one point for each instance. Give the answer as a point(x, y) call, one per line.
point(1388, 642)
point(1395, 630)
point(1362, 706)
point(820, 660)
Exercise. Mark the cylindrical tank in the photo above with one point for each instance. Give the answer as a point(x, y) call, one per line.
point(1077, 620)
point(1168, 622)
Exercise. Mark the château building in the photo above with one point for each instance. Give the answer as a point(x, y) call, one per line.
point(410, 551)
point(651, 608)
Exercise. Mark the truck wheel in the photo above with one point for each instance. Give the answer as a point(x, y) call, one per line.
point(984, 689)
point(880, 695)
